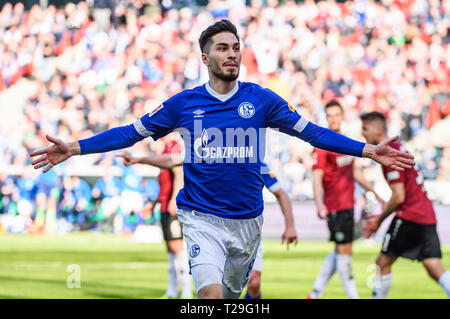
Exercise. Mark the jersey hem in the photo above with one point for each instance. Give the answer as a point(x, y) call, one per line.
point(223, 215)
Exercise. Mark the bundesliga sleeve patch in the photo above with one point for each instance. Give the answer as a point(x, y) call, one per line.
point(393, 175)
point(156, 110)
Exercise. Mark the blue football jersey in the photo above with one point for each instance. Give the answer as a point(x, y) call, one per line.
point(224, 137)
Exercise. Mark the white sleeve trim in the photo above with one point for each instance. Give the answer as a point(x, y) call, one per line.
point(275, 187)
point(301, 124)
point(140, 128)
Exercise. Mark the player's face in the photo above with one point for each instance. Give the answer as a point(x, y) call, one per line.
point(371, 131)
point(334, 117)
point(224, 58)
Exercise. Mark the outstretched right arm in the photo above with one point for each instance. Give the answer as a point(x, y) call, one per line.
point(110, 140)
point(156, 124)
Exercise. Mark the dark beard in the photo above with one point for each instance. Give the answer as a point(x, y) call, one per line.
point(223, 76)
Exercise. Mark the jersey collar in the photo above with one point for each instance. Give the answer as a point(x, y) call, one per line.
point(222, 97)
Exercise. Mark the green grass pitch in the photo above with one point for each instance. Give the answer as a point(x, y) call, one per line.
point(115, 267)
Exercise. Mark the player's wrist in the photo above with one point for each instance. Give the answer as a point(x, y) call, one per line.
point(368, 151)
point(319, 205)
point(74, 148)
point(289, 224)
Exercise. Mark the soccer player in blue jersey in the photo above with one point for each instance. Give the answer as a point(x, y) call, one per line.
point(222, 123)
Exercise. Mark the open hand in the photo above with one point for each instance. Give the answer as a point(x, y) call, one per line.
point(53, 155)
point(387, 156)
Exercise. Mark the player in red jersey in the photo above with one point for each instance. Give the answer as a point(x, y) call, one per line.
point(412, 233)
point(334, 177)
point(171, 181)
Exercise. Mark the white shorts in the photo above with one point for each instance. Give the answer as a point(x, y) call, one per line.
point(258, 265)
point(227, 246)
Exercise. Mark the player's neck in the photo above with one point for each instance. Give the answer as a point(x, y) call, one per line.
point(221, 87)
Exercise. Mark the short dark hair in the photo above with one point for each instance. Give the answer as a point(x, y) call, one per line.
point(334, 103)
point(220, 26)
point(374, 116)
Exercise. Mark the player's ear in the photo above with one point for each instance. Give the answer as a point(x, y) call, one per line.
point(205, 59)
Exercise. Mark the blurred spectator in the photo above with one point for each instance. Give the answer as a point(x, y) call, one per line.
point(131, 200)
point(27, 190)
point(107, 193)
point(150, 196)
point(444, 165)
point(48, 191)
point(75, 202)
point(7, 190)
point(103, 11)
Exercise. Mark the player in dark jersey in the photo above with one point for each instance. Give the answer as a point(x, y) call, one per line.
point(170, 182)
point(412, 233)
point(223, 123)
point(334, 177)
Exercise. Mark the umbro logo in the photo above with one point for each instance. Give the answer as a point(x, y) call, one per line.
point(198, 113)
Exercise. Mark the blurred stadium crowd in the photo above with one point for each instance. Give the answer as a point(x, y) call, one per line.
point(93, 66)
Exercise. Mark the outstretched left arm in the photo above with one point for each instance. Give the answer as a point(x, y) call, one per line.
point(332, 141)
point(280, 115)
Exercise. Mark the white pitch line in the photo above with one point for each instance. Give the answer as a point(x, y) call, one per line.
point(88, 266)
